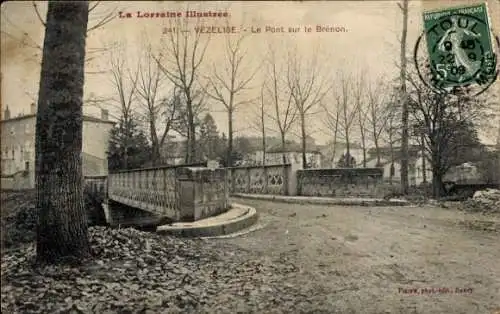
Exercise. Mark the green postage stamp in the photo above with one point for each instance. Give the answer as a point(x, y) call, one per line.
point(460, 48)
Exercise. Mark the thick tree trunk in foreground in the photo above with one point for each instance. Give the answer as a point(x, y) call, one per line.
point(62, 223)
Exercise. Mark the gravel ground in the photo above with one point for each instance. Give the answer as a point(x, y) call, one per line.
point(384, 259)
point(305, 259)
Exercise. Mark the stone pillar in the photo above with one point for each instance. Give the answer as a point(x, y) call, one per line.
point(202, 192)
point(292, 178)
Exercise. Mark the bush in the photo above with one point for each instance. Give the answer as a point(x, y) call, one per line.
point(93, 205)
point(19, 216)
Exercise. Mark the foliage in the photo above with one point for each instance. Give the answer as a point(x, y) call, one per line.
point(464, 146)
point(136, 272)
point(449, 123)
point(243, 145)
point(489, 166)
point(209, 140)
point(346, 161)
point(128, 146)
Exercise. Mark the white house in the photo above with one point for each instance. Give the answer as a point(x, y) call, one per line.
point(292, 153)
point(416, 165)
point(18, 148)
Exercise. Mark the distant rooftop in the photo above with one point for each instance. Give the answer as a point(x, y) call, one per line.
point(29, 116)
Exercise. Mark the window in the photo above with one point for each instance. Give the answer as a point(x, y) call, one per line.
point(27, 166)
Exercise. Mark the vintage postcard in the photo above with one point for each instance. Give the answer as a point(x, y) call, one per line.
point(250, 156)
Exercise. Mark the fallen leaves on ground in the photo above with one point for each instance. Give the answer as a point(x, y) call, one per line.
point(18, 217)
point(140, 272)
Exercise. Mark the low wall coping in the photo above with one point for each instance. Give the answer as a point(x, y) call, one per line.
point(341, 171)
point(259, 166)
point(198, 173)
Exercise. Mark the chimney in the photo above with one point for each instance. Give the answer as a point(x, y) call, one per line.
point(6, 115)
point(33, 108)
point(104, 114)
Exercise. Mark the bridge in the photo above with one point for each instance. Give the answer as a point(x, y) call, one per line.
point(187, 193)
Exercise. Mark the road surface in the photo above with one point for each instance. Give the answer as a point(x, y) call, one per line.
point(380, 260)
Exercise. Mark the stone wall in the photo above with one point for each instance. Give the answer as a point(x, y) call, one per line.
point(22, 180)
point(120, 215)
point(340, 182)
point(269, 179)
point(202, 192)
point(179, 193)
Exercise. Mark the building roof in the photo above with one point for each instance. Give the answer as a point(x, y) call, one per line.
point(85, 118)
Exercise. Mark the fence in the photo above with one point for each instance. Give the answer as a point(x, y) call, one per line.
point(268, 179)
point(183, 192)
point(340, 182)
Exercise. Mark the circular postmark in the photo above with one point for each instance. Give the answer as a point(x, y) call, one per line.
point(459, 54)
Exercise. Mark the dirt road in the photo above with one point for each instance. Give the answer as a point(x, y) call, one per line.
point(381, 260)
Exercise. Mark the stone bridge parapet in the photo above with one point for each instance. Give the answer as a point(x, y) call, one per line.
point(176, 193)
point(340, 182)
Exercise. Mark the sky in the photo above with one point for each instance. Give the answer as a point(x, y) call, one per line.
point(370, 44)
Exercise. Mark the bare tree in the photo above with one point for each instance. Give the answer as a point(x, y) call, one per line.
point(160, 112)
point(98, 17)
point(62, 224)
point(227, 86)
point(260, 121)
point(180, 62)
point(124, 81)
point(347, 111)
point(392, 130)
point(182, 124)
point(404, 100)
point(448, 122)
point(285, 112)
point(377, 113)
point(307, 87)
point(331, 121)
point(360, 104)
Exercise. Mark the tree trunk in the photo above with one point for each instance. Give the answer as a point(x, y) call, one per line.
point(191, 141)
point(283, 147)
point(437, 183)
point(391, 147)
point(364, 154)
point(377, 151)
point(155, 145)
point(230, 139)
point(363, 144)
point(348, 150)
point(125, 130)
point(62, 224)
point(404, 100)
point(303, 134)
point(363, 135)
point(263, 146)
point(188, 149)
point(424, 168)
point(335, 139)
